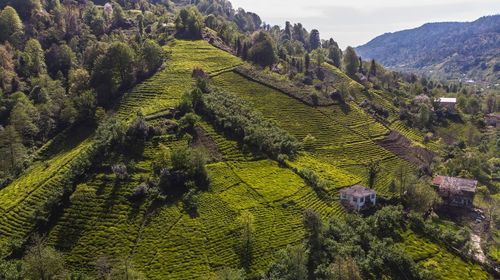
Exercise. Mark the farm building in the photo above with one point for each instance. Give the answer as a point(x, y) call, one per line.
point(455, 191)
point(492, 119)
point(448, 103)
point(358, 197)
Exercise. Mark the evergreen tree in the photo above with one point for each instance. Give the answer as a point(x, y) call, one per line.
point(26, 8)
point(335, 54)
point(351, 62)
point(314, 39)
point(189, 23)
point(373, 69)
point(314, 235)
point(152, 56)
point(247, 230)
point(307, 62)
point(24, 116)
point(60, 58)
point(113, 71)
point(288, 31)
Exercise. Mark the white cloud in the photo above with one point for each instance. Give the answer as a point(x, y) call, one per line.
point(357, 22)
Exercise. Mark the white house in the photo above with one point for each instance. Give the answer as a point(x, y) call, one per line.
point(358, 197)
point(448, 103)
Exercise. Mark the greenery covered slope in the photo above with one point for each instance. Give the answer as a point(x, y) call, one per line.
point(451, 49)
point(205, 166)
point(165, 89)
point(32, 190)
point(342, 147)
point(166, 242)
point(192, 247)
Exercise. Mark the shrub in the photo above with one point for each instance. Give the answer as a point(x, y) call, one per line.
point(138, 129)
point(313, 179)
point(140, 192)
point(187, 123)
point(120, 171)
point(191, 198)
point(187, 168)
point(309, 142)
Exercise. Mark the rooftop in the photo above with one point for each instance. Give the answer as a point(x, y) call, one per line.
point(357, 191)
point(455, 184)
point(447, 100)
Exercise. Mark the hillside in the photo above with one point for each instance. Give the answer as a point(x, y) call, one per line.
point(164, 140)
point(453, 50)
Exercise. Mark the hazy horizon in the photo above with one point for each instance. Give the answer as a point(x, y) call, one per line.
point(357, 22)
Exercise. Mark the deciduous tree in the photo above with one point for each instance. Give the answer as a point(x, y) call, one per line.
point(10, 23)
point(263, 50)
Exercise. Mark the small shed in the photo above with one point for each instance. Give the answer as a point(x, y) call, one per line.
point(448, 103)
point(456, 191)
point(358, 197)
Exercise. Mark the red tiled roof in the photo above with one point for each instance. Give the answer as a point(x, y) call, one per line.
point(455, 184)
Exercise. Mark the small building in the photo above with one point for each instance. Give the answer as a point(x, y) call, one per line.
point(492, 119)
point(455, 191)
point(448, 103)
point(358, 197)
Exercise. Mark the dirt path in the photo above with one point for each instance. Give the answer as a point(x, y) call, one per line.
point(476, 246)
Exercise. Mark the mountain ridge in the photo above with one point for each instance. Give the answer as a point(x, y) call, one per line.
point(460, 49)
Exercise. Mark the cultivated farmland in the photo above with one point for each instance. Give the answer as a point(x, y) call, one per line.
point(344, 137)
point(162, 240)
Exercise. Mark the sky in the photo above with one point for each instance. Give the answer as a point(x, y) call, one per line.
point(355, 22)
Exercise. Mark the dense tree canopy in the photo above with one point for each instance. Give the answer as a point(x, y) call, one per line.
point(263, 50)
point(189, 23)
point(10, 23)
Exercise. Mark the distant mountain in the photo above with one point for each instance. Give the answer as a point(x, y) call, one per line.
point(467, 50)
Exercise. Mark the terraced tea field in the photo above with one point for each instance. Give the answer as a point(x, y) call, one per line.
point(344, 136)
point(20, 198)
point(101, 221)
point(163, 241)
point(440, 261)
point(44, 180)
point(166, 88)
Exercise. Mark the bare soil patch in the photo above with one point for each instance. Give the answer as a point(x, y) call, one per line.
point(404, 148)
